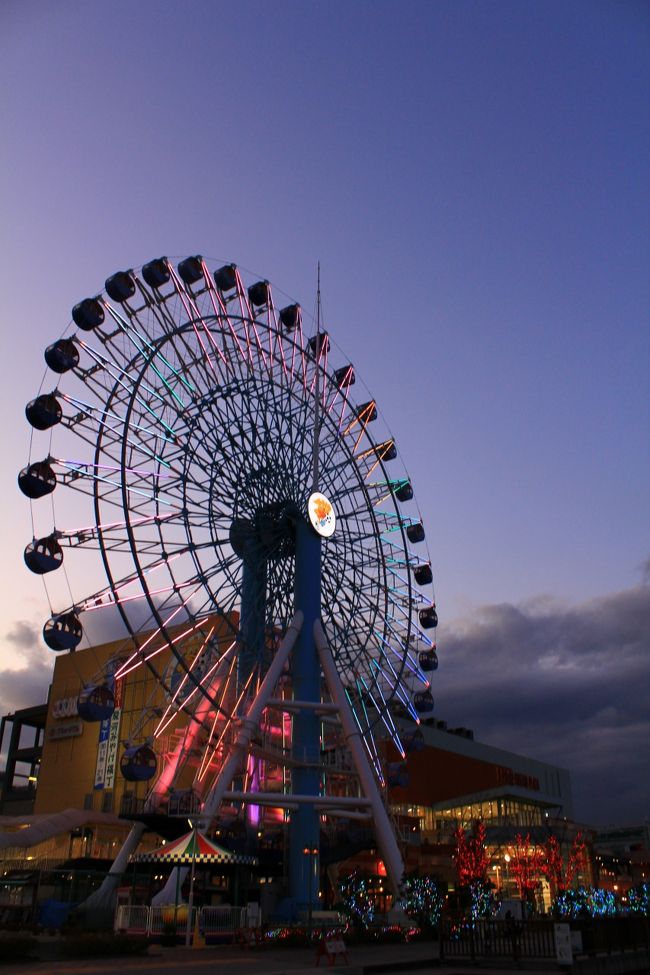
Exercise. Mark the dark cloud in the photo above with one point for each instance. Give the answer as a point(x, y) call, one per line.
point(566, 685)
point(28, 685)
point(23, 634)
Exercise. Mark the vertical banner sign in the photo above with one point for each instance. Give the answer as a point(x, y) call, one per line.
point(113, 737)
point(102, 748)
point(107, 746)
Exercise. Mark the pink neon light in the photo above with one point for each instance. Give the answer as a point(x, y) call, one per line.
point(182, 294)
point(222, 310)
point(140, 651)
point(207, 759)
point(229, 721)
point(161, 726)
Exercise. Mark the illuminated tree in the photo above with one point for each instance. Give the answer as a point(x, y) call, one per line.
point(577, 860)
point(470, 856)
point(423, 900)
point(553, 868)
point(357, 903)
point(526, 864)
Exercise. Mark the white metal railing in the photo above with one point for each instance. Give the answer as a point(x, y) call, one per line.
point(132, 917)
point(222, 920)
point(154, 921)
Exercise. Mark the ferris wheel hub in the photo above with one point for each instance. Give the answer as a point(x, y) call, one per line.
point(268, 534)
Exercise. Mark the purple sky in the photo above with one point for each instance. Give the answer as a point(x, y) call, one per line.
point(473, 178)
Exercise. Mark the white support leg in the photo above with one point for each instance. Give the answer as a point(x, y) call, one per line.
point(385, 836)
point(250, 722)
point(103, 897)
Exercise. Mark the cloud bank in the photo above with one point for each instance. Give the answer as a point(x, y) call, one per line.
point(27, 668)
point(569, 685)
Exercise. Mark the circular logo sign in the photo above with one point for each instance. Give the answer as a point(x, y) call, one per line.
point(321, 515)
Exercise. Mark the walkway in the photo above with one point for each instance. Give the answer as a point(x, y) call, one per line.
point(228, 960)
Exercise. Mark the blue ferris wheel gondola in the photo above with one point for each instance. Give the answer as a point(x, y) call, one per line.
point(37, 480)
point(397, 775)
point(96, 703)
point(138, 763)
point(428, 660)
point(43, 555)
point(63, 632)
point(423, 701)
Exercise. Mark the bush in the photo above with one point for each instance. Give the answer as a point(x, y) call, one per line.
point(103, 945)
point(16, 947)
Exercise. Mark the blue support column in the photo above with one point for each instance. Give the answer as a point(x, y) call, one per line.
point(253, 602)
point(304, 827)
point(251, 653)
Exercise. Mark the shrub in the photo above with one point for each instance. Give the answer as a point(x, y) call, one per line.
point(16, 947)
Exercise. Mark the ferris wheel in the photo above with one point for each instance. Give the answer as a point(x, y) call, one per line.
point(174, 438)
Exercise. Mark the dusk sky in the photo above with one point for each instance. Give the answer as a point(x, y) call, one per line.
point(473, 178)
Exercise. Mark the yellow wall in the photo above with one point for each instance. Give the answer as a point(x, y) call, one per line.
point(68, 765)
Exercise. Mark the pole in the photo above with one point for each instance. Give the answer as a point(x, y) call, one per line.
point(312, 853)
point(316, 391)
point(304, 830)
point(178, 884)
point(190, 900)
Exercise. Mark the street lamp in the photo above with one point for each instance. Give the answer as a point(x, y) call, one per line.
point(312, 853)
point(496, 870)
point(507, 860)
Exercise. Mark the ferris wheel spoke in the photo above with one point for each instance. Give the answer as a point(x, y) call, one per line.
point(153, 645)
point(77, 473)
point(150, 353)
point(229, 719)
point(195, 677)
point(147, 351)
point(202, 332)
point(118, 429)
point(386, 714)
point(121, 377)
point(219, 308)
point(248, 319)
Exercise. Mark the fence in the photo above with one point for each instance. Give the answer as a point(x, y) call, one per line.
point(535, 939)
point(214, 922)
point(498, 939)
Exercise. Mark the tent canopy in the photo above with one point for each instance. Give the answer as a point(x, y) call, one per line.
point(193, 847)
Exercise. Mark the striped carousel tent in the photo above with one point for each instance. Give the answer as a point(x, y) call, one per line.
point(194, 847)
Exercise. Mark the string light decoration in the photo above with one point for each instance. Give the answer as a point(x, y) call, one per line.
point(423, 900)
point(639, 899)
point(586, 902)
point(470, 856)
point(357, 903)
point(484, 903)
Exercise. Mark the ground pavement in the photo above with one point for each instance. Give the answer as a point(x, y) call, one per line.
point(418, 958)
